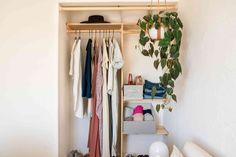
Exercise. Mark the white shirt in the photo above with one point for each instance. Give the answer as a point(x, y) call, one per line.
point(105, 137)
point(116, 62)
point(76, 73)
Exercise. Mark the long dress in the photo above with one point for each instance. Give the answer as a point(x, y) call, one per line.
point(93, 140)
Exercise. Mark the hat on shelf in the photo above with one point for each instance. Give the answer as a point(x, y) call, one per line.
point(95, 19)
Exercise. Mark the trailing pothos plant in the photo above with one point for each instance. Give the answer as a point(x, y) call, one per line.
point(164, 50)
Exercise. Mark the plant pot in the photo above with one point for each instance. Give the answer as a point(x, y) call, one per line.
point(153, 33)
point(156, 34)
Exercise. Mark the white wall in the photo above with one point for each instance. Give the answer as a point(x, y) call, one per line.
point(205, 112)
point(29, 86)
point(28, 81)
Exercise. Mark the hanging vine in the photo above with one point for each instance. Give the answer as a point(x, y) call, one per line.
point(167, 52)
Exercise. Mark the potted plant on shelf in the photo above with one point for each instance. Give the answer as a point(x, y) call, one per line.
point(164, 48)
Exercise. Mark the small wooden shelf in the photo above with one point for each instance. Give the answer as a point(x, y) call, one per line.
point(147, 101)
point(161, 130)
point(73, 26)
point(126, 28)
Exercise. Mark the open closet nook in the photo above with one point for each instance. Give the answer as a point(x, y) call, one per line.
point(97, 52)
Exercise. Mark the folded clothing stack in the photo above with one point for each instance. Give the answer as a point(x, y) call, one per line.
point(150, 87)
point(138, 114)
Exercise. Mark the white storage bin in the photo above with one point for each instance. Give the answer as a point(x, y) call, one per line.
point(141, 127)
point(133, 92)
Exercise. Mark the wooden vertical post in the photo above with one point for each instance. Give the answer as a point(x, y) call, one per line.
point(121, 94)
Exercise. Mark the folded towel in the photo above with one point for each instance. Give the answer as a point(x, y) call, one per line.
point(148, 117)
point(128, 112)
point(146, 90)
point(150, 85)
point(147, 111)
point(138, 117)
point(150, 97)
point(138, 109)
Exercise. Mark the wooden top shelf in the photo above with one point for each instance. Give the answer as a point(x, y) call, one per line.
point(117, 27)
point(93, 26)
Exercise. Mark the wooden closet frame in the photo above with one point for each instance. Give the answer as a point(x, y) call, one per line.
point(122, 28)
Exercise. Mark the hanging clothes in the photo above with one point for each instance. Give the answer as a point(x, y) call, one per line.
point(106, 121)
point(76, 73)
point(116, 63)
point(93, 140)
point(99, 84)
point(87, 77)
point(87, 85)
point(109, 91)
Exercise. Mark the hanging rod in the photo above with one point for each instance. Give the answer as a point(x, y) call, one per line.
point(119, 8)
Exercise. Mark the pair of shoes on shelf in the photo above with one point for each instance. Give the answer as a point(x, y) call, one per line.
point(134, 155)
point(130, 155)
point(143, 155)
point(75, 153)
point(137, 81)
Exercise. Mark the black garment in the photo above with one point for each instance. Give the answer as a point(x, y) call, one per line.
point(110, 124)
point(86, 82)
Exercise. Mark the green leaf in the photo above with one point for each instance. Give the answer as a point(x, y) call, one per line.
point(169, 63)
point(156, 53)
point(154, 91)
point(163, 63)
point(163, 51)
point(171, 83)
point(158, 107)
point(143, 25)
point(175, 14)
point(179, 22)
point(170, 109)
point(174, 97)
point(178, 66)
point(177, 35)
point(176, 55)
point(151, 50)
point(162, 106)
point(174, 23)
point(161, 79)
point(145, 52)
point(165, 21)
point(173, 50)
point(164, 42)
point(155, 17)
point(169, 35)
point(147, 17)
point(165, 79)
point(143, 40)
point(157, 25)
point(174, 73)
point(169, 91)
point(142, 34)
point(156, 63)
